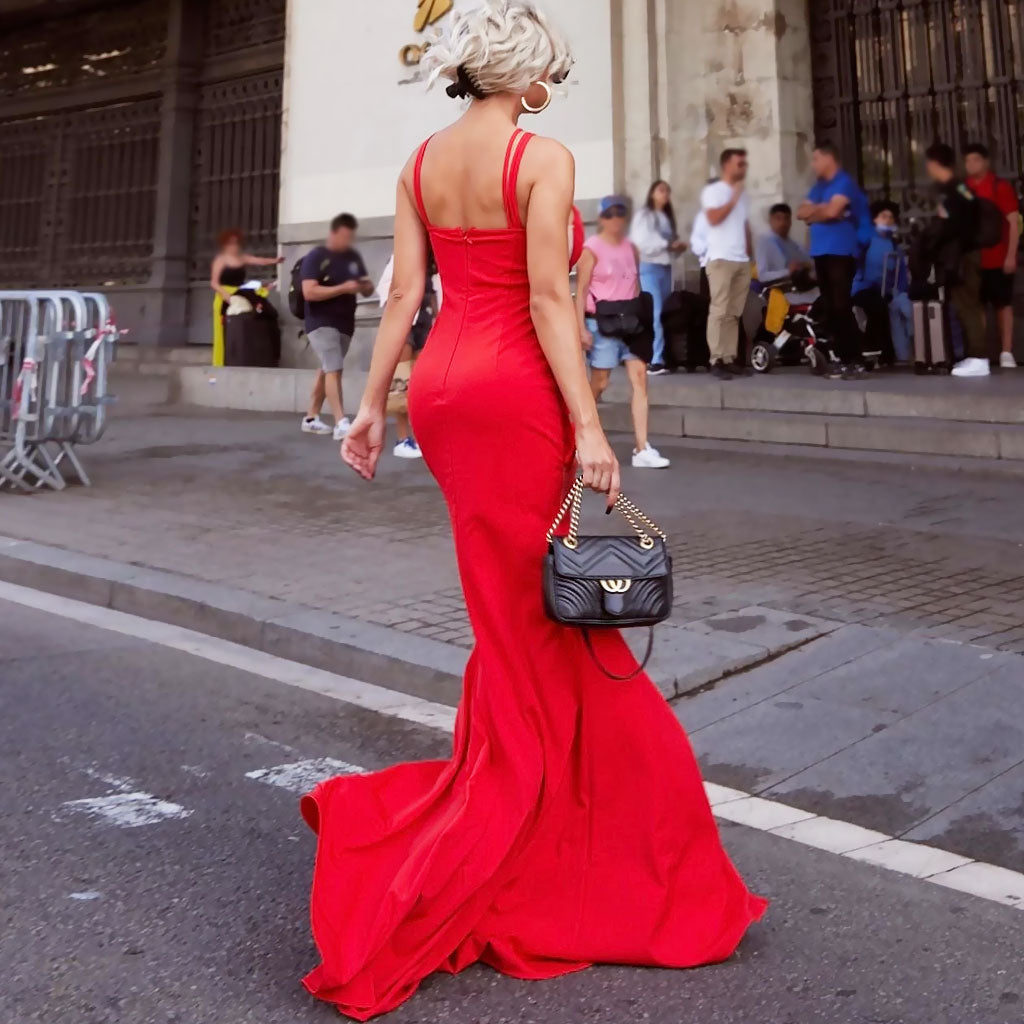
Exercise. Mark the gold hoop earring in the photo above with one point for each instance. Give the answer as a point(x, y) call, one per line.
point(544, 106)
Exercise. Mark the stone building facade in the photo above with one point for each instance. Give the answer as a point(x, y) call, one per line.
point(132, 131)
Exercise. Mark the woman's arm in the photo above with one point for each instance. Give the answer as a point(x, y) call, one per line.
point(365, 441)
point(261, 261)
point(552, 172)
point(584, 275)
point(636, 257)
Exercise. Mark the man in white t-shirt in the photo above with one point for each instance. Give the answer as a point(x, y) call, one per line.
point(727, 209)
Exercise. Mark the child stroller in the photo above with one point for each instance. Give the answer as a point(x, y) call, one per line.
point(790, 333)
point(793, 332)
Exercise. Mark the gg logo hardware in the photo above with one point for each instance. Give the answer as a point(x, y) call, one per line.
point(616, 586)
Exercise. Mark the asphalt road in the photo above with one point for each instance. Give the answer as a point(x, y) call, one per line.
point(146, 877)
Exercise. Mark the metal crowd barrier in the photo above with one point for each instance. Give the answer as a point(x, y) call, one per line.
point(56, 348)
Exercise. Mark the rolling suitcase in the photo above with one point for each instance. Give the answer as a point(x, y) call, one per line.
point(931, 337)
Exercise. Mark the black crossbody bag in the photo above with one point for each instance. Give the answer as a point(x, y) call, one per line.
point(620, 318)
point(596, 582)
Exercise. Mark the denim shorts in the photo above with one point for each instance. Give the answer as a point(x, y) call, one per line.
point(606, 353)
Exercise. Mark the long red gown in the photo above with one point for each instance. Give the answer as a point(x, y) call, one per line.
point(570, 826)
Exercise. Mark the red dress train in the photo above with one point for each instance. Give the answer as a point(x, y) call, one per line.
point(570, 826)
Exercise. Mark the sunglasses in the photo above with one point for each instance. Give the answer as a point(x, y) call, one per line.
point(614, 211)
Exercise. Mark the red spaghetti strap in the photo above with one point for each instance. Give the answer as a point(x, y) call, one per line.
point(510, 207)
point(511, 195)
point(417, 184)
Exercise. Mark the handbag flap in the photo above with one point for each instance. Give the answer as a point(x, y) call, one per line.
point(601, 558)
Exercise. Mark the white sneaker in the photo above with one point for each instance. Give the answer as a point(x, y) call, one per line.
point(1007, 362)
point(408, 449)
point(649, 458)
point(314, 425)
point(341, 428)
point(972, 367)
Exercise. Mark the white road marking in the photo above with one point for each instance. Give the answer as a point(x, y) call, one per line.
point(302, 776)
point(839, 837)
point(255, 737)
point(117, 783)
point(128, 810)
point(85, 896)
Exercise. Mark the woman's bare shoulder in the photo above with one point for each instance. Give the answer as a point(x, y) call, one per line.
point(551, 151)
point(548, 159)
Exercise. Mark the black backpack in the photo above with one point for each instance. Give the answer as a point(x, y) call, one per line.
point(296, 302)
point(990, 221)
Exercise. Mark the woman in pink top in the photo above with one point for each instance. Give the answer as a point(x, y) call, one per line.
point(609, 270)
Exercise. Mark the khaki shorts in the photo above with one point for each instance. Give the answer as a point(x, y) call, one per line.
point(331, 347)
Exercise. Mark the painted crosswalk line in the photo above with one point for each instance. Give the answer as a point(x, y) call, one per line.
point(301, 776)
point(127, 810)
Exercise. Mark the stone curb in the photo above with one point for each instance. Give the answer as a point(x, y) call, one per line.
point(688, 655)
point(336, 643)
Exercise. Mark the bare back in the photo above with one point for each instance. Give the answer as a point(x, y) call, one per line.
point(463, 172)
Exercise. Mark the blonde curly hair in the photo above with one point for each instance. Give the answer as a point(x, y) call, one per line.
point(499, 46)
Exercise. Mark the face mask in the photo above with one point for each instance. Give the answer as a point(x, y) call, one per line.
point(885, 230)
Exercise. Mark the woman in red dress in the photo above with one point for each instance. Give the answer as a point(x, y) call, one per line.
point(570, 826)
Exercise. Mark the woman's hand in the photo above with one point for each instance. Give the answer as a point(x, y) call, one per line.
point(597, 462)
point(364, 442)
point(586, 339)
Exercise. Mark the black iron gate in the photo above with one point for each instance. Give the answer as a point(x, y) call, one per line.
point(893, 76)
point(85, 102)
point(78, 146)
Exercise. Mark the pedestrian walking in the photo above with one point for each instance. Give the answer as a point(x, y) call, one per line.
point(954, 243)
point(998, 262)
point(333, 274)
point(726, 209)
point(840, 226)
point(609, 271)
point(405, 444)
point(227, 275)
point(656, 237)
point(570, 825)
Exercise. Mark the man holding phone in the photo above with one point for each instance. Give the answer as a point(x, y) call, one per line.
point(333, 275)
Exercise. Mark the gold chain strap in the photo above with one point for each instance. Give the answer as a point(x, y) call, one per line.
point(573, 501)
point(641, 523)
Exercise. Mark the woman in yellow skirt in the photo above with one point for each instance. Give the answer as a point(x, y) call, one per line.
point(227, 275)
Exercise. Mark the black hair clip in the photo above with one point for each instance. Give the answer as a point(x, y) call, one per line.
point(464, 86)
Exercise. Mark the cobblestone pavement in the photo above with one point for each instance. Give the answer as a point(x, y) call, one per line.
point(247, 502)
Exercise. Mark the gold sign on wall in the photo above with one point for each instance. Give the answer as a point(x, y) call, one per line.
point(428, 12)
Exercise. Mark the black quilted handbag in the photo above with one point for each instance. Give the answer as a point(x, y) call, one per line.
point(601, 582)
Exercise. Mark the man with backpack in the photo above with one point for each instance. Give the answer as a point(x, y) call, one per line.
point(998, 262)
point(323, 292)
point(962, 228)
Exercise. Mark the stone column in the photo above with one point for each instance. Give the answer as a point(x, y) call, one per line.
point(640, 94)
point(170, 275)
point(739, 74)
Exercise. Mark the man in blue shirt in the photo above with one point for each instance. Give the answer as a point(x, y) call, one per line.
point(837, 212)
point(333, 275)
